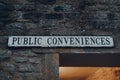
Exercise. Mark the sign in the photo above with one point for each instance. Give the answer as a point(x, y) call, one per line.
point(60, 41)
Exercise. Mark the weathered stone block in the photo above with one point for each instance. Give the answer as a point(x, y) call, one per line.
point(17, 76)
point(32, 16)
point(107, 2)
point(58, 9)
point(25, 68)
point(20, 59)
point(47, 2)
point(5, 75)
point(35, 76)
point(15, 29)
point(1, 25)
point(11, 67)
point(4, 58)
point(24, 53)
point(35, 60)
point(4, 6)
point(4, 14)
point(3, 40)
point(111, 16)
point(30, 26)
point(5, 55)
point(16, 16)
point(82, 5)
point(5, 52)
point(39, 32)
point(105, 24)
point(25, 7)
point(57, 16)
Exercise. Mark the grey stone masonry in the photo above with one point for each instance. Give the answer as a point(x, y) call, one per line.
point(58, 17)
point(50, 18)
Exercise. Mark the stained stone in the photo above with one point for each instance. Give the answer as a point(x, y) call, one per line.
point(1, 25)
point(82, 5)
point(4, 58)
point(111, 16)
point(25, 68)
point(35, 76)
point(23, 53)
point(58, 9)
point(5, 76)
point(47, 2)
point(3, 40)
point(35, 60)
point(7, 7)
point(10, 67)
point(57, 16)
point(20, 59)
point(15, 29)
point(32, 16)
point(18, 76)
point(4, 14)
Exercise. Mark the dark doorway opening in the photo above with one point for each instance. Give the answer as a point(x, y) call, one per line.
point(81, 66)
point(93, 60)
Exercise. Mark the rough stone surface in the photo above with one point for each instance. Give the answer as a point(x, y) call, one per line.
point(49, 18)
point(47, 2)
point(20, 59)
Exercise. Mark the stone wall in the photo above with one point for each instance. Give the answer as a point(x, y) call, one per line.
point(58, 17)
point(51, 17)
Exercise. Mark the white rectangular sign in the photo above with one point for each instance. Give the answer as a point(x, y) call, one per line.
point(60, 41)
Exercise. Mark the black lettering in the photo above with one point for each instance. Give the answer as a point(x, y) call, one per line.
point(19, 41)
point(86, 41)
point(66, 40)
point(39, 41)
point(60, 41)
point(54, 41)
point(14, 40)
point(107, 41)
point(71, 41)
point(103, 41)
point(98, 41)
point(30, 41)
point(25, 41)
point(82, 41)
point(49, 41)
point(35, 42)
point(93, 41)
point(77, 40)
